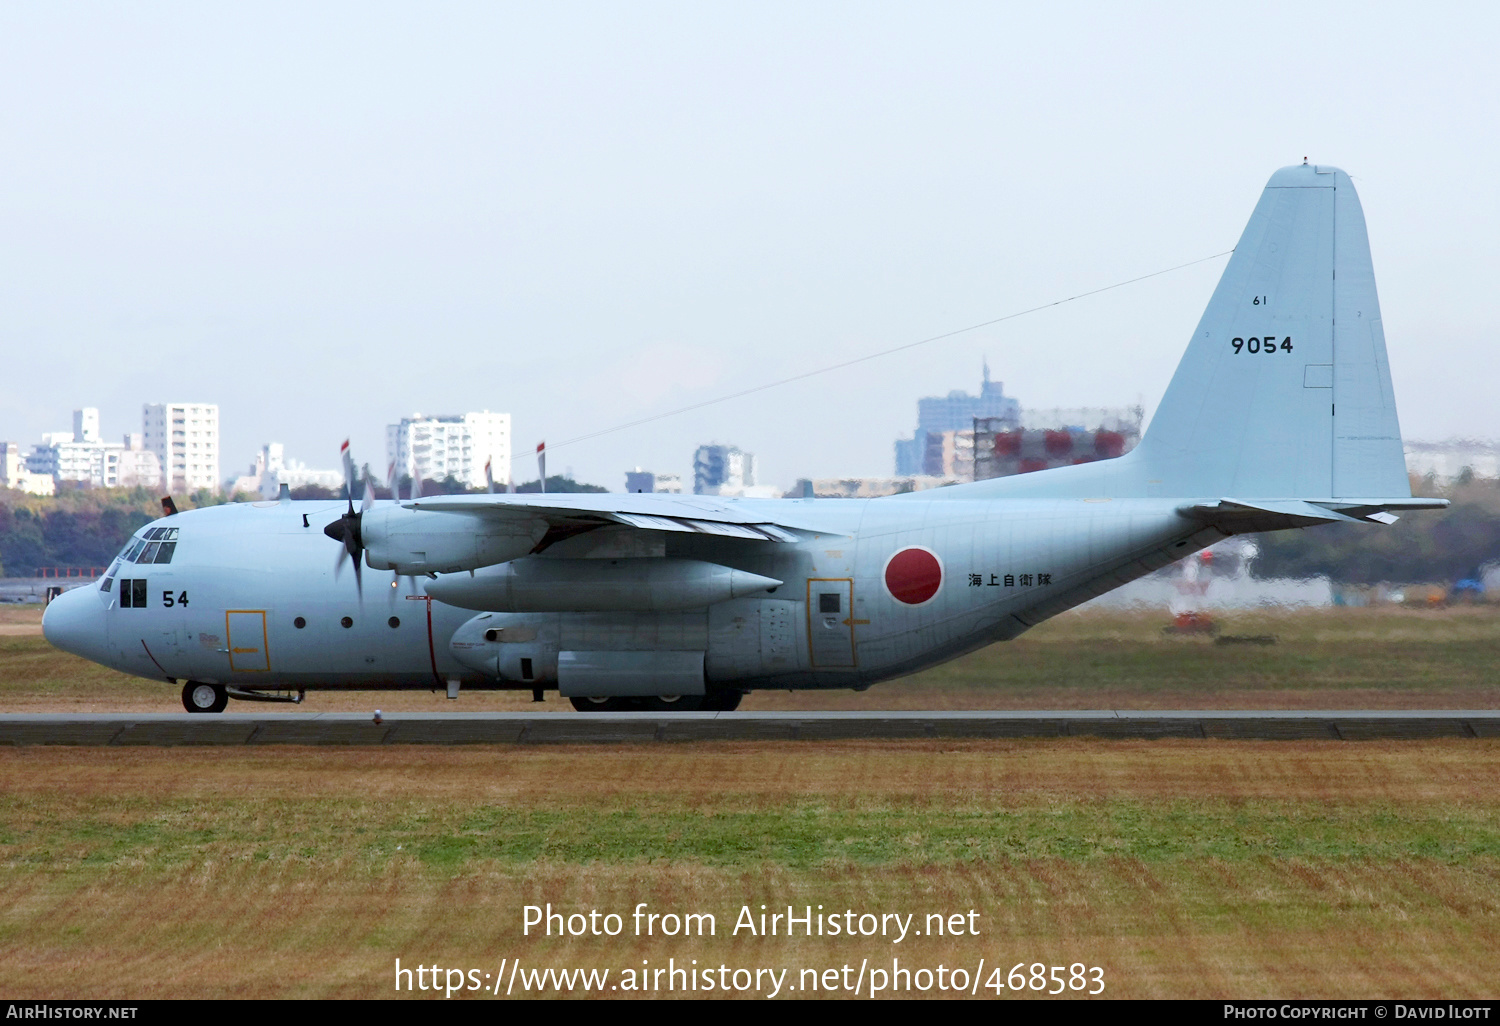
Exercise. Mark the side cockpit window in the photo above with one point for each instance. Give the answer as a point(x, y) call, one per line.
point(153, 545)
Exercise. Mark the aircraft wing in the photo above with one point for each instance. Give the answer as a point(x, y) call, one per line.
point(569, 513)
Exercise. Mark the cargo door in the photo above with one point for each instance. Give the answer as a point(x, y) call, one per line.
point(830, 623)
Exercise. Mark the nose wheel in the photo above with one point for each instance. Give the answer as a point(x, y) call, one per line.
point(204, 698)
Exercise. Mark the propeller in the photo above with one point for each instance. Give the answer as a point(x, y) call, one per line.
point(369, 499)
point(346, 528)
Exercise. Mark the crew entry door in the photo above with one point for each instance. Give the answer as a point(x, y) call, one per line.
point(248, 644)
point(830, 623)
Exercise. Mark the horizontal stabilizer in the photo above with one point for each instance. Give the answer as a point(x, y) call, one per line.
point(1238, 516)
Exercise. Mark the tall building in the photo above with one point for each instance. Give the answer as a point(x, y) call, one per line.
point(455, 445)
point(955, 411)
point(639, 480)
point(14, 472)
point(137, 465)
point(722, 470)
point(82, 456)
point(271, 469)
point(185, 438)
point(86, 424)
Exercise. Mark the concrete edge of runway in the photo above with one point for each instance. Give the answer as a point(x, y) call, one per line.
point(360, 729)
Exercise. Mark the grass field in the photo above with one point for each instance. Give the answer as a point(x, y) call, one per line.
point(1180, 868)
point(1378, 658)
point(1191, 869)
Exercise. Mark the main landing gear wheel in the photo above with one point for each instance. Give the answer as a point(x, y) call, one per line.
point(722, 701)
point(601, 704)
point(714, 701)
point(204, 698)
point(672, 703)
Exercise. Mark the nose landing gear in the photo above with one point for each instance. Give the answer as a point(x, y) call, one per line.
point(198, 697)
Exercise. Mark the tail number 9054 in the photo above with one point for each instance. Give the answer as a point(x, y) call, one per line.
point(1268, 345)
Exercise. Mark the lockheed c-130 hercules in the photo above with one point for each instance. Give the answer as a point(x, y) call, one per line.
point(1280, 415)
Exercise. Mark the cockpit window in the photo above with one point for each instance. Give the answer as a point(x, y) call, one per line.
point(155, 545)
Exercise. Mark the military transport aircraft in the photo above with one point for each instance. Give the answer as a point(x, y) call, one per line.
point(1280, 415)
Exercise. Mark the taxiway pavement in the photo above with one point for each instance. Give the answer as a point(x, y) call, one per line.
point(344, 728)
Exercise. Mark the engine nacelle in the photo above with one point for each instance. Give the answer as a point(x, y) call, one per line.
point(411, 541)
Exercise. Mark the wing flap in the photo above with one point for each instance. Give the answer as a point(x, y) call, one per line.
point(647, 522)
point(728, 530)
point(647, 512)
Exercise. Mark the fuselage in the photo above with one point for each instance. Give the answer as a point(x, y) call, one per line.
point(255, 595)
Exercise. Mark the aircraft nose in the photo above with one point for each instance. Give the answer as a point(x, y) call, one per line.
point(74, 622)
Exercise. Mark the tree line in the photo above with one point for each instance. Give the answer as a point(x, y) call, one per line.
point(1423, 547)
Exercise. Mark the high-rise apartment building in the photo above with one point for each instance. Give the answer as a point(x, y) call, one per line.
point(937, 414)
point(722, 470)
point(86, 424)
point(454, 445)
point(83, 456)
point(185, 438)
point(14, 472)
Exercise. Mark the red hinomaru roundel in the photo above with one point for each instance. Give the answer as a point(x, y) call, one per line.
point(913, 575)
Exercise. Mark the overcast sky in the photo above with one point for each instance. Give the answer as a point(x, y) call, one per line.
point(325, 216)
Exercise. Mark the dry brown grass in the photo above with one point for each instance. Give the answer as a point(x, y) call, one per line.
point(545, 776)
point(15, 615)
point(243, 872)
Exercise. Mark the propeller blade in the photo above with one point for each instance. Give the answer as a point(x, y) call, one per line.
point(369, 499)
point(348, 459)
point(338, 572)
point(345, 529)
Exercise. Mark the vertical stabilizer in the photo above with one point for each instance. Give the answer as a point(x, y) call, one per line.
point(1284, 389)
